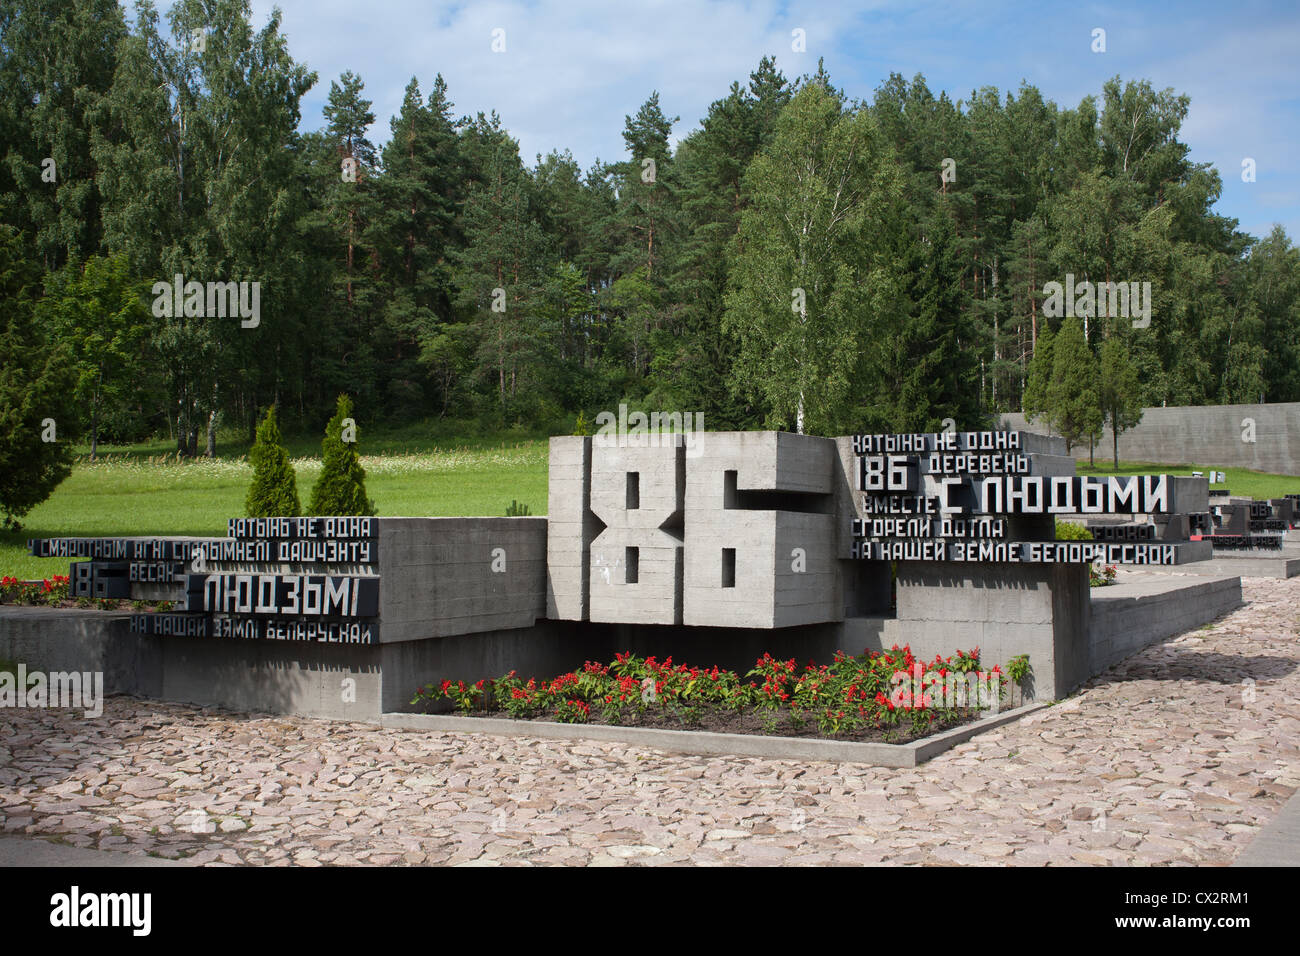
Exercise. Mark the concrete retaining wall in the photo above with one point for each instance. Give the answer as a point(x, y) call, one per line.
point(445, 576)
point(1042, 610)
point(1209, 435)
point(347, 682)
point(1128, 617)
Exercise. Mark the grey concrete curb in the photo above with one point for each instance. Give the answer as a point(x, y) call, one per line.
point(1278, 844)
point(17, 850)
point(712, 744)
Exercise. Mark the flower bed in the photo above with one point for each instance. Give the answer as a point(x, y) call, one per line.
point(1101, 577)
point(53, 592)
point(890, 696)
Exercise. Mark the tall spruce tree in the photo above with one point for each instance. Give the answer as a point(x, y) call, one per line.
point(57, 59)
point(274, 491)
point(1072, 393)
point(36, 384)
point(501, 270)
point(1036, 402)
point(1118, 391)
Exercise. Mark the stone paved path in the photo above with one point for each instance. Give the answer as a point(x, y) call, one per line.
point(1173, 757)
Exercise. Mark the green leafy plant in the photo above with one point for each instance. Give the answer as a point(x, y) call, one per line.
point(1101, 577)
point(573, 711)
point(51, 591)
point(845, 696)
point(516, 510)
point(1018, 671)
point(1069, 531)
point(37, 383)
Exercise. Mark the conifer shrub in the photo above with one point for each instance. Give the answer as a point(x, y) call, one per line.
point(274, 491)
point(341, 488)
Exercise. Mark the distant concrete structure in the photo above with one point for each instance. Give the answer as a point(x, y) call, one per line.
point(1258, 437)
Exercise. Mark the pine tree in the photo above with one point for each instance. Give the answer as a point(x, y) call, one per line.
point(1072, 394)
point(57, 61)
point(413, 231)
point(341, 487)
point(501, 269)
point(274, 491)
point(1120, 391)
point(1035, 401)
point(931, 358)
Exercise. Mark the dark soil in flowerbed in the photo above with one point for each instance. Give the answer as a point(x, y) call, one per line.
point(97, 604)
point(729, 722)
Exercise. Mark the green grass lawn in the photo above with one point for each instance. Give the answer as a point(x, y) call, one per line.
point(126, 492)
point(1256, 484)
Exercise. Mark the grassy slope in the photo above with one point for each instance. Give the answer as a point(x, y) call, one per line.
point(1256, 484)
point(127, 493)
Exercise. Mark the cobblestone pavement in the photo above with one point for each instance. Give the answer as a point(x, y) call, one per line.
point(1173, 757)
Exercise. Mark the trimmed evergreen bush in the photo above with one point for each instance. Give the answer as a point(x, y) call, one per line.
point(341, 488)
point(1069, 531)
point(274, 491)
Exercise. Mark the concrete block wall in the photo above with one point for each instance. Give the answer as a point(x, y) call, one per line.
point(649, 533)
point(570, 528)
point(1209, 435)
point(83, 640)
point(1128, 617)
point(437, 576)
point(1043, 610)
point(772, 585)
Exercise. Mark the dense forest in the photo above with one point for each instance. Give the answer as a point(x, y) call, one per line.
point(800, 259)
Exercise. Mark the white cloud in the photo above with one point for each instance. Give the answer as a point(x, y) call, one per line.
point(573, 70)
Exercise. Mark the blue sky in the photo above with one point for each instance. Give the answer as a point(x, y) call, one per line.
point(572, 70)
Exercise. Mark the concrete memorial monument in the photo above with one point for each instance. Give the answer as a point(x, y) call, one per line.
point(723, 544)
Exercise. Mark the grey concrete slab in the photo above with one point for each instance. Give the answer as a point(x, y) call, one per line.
point(33, 851)
point(1272, 564)
point(1148, 608)
point(705, 743)
point(1278, 844)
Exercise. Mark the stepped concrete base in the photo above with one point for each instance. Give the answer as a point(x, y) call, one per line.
point(345, 682)
point(713, 744)
point(1245, 564)
point(1069, 636)
point(1149, 608)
